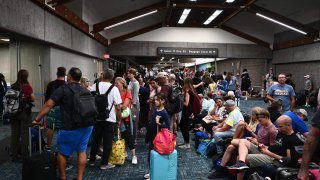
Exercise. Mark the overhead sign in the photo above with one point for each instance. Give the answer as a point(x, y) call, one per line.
point(177, 51)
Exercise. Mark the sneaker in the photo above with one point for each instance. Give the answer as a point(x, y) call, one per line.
point(134, 160)
point(109, 166)
point(217, 174)
point(91, 163)
point(98, 157)
point(185, 146)
point(224, 142)
point(239, 165)
point(46, 148)
point(147, 176)
point(68, 167)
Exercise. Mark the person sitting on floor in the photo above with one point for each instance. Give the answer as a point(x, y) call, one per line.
point(282, 152)
point(248, 128)
point(227, 128)
point(297, 121)
point(266, 135)
point(200, 134)
point(207, 105)
point(216, 115)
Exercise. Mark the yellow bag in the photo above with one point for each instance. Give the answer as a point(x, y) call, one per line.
point(117, 155)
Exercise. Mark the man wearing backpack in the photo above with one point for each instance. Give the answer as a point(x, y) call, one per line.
point(53, 118)
point(72, 136)
point(104, 128)
point(176, 103)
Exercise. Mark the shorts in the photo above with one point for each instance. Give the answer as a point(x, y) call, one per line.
point(73, 140)
point(254, 149)
point(53, 119)
point(306, 93)
point(256, 160)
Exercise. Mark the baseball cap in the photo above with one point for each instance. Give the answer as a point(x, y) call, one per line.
point(304, 112)
point(307, 76)
point(229, 103)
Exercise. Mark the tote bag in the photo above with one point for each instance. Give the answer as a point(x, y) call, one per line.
point(117, 155)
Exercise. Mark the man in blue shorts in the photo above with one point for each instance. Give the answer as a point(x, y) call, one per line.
point(70, 137)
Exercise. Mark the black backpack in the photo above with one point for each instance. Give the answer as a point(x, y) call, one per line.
point(102, 103)
point(14, 101)
point(85, 109)
point(175, 99)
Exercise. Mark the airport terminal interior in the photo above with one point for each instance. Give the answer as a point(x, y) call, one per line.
point(185, 38)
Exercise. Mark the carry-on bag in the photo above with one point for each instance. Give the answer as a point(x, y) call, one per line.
point(164, 142)
point(117, 155)
point(163, 167)
point(286, 173)
point(40, 165)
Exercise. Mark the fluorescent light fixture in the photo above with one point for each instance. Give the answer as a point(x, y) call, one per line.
point(282, 24)
point(6, 40)
point(128, 20)
point(229, 1)
point(184, 16)
point(212, 17)
point(193, 0)
point(199, 61)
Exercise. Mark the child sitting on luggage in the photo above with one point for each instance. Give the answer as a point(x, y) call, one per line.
point(199, 134)
point(160, 119)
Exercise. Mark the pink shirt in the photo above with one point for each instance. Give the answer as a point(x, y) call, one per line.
point(267, 135)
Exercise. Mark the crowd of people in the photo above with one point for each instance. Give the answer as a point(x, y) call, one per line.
point(168, 100)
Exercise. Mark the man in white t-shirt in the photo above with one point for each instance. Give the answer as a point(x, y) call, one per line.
point(104, 128)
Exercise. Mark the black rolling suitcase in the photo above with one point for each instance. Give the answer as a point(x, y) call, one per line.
point(39, 166)
point(286, 173)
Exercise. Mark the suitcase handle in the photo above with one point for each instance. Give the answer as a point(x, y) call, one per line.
point(30, 139)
